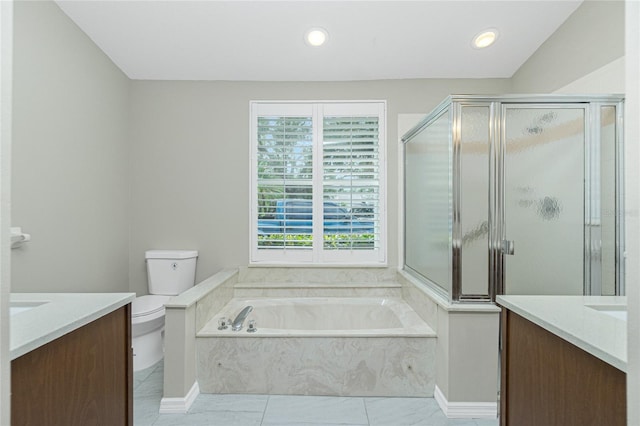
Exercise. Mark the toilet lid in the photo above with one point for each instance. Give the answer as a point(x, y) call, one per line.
point(149, 304)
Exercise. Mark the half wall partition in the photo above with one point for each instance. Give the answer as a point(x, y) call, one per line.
point(516, 195)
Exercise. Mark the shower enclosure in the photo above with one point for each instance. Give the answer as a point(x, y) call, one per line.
point(516, 195)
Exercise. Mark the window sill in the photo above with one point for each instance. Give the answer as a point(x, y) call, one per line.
point(317, 265)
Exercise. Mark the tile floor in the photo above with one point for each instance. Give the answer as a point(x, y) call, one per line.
point(278, 410)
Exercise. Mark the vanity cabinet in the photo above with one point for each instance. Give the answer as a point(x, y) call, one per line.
point(545, 380)
point(84, 377)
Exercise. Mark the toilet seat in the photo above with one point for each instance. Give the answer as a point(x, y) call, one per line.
point(148, 307)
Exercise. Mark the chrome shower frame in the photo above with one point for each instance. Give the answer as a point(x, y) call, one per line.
point(497, 107)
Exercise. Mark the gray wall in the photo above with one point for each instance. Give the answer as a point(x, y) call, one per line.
point(190, 159)
point(632, 206)
point(87, 141)
point(70, 157)
point(593, 36)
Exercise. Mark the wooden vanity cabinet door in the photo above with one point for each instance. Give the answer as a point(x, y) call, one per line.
point(81, 378)
point(547, 381)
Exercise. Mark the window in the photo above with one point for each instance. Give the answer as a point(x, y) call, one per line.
point(318, 160)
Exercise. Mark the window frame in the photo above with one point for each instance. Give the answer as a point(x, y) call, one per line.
point(317, 255)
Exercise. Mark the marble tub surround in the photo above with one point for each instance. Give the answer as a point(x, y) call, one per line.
point(209, 296)
point(296, 289)
point(184, 315)
point(317, 282)
point(373, 366)
point(332, 316)
point(466, 351)
point(426, 302)
point(422, 300)
point(52, 315)
point(463, 368)
point(319, 346)
point(574, 319)
point(306, 275)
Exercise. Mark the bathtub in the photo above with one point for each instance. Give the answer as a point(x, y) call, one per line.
point(328, 316)
point(319, 346)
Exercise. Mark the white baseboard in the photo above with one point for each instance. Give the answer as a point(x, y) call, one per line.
point(180, 405)
point(465, 410)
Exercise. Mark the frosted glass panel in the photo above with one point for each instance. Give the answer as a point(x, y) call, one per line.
point(544, 200)
point(428, 217)
point(474, 199)
point(607, 205)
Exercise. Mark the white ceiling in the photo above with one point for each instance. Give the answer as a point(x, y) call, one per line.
point(263, 40)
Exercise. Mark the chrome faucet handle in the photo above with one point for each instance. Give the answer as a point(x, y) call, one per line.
point(223, 324)
point(252, 326)
point(236, 324)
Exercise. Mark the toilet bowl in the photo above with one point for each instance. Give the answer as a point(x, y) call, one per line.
point(147, 328)
point(170, 272)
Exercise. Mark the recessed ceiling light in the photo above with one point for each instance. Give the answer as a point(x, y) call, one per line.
point(485, 39)
point(316, 37)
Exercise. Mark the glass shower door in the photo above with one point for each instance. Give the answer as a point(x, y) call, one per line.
point(428, 213)
point(543, 198)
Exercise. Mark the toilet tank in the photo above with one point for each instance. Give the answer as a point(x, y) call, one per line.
point(170, 272)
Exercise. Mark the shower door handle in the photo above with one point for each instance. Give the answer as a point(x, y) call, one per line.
point(508, 247)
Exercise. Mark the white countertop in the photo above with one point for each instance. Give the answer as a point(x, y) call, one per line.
point(55, 315)
point(571, 318)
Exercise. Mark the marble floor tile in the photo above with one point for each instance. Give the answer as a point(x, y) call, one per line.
point(279, 410)
point(414, 412)
point(317, 423)
point(404, 411)
point(457, 422)
point(211, 418)
point(286, 410)
point(487, 422)
point(152, 386)
point(145, 410)
point(210, 402)
point(140, 376)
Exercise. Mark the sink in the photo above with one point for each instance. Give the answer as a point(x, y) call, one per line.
point(19, 307)
point(616, 311)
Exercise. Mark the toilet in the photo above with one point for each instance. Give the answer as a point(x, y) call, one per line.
point(169, 273)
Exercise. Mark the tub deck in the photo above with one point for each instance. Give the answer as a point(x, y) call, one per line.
point(327, 317)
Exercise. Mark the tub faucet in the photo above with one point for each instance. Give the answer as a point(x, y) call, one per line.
point(237, 323)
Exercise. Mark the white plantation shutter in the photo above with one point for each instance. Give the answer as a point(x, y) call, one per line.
point(350, 181)
point(317, 184)
point(285, 172)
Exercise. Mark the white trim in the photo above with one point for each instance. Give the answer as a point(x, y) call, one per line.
point(318, 101)
point(268, 264)
point(465, 410)
point(180, 405)
point(316, 255)
point(318, 187)
point(6, 96)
